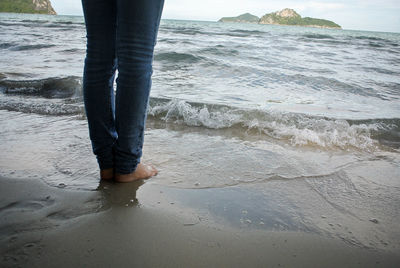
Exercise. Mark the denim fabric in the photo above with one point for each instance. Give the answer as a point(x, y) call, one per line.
point(121, 35)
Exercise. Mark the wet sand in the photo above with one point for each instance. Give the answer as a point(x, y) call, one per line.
point(120, 225)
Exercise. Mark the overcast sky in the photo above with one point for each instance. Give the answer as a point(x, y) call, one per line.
point(374, 15)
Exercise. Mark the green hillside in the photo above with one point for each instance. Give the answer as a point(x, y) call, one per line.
point(27, 6)
point(247, 17)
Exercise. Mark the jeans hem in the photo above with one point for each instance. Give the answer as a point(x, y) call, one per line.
point(126, 169)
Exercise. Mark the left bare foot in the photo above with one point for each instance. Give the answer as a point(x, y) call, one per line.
point(143, 171)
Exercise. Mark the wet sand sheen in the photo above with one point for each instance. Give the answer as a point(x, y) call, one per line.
point(111, 229)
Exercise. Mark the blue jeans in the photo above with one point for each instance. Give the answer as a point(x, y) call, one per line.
point(121, 35)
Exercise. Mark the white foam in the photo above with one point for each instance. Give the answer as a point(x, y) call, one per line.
point(297, 129)
point(180, 110)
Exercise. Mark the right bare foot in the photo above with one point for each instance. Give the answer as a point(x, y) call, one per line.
point(142, 171)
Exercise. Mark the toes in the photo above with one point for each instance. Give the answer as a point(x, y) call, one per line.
point(151, 169)
point(155, 171)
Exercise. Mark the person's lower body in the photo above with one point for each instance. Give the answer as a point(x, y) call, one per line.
point(121, 35)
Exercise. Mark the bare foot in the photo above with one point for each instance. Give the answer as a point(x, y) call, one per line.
point(107, 174)
point(142, 171)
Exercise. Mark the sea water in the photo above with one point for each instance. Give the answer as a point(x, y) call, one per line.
point(300, 125)
point(330, 88)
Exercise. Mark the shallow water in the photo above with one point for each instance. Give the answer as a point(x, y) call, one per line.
point(329, 88)
point(227, 178)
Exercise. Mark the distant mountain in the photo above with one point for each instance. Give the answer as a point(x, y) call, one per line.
point(246, 18)
point(286, 16)
point(27, 6)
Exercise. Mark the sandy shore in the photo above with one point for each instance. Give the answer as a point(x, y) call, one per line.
point(134, 225)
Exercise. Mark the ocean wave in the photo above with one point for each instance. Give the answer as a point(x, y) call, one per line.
point(318, 36)
point(219, 51)
point(65, 26)
point(174, 41)
point(65, 22)
point(35, 21)
point(177, 57)
point(30, 47)
point(43, 107)
point(376, 45)
point(381, 70)
point(362, 42)
point(297, 129)
point(44, 24)
point(373, 38)
point(327, 41)
point(292, 128)
point(27, 25)
point(10, 24)
point(248, 31)
point(181, 30)
point(319, 83)
point(7, 45)
point(202, 31)
point(73, 50)
point(193, 114)
point(65, 87)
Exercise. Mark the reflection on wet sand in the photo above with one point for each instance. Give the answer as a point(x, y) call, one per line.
point(119, 194)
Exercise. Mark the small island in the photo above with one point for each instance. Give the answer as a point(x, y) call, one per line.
point(27, 6)
point(244, 18)
point(286, 16)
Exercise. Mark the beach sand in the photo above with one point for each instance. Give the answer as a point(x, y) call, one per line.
point(43, 226)
point(220, 200)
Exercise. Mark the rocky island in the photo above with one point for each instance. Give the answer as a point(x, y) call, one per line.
point(244, 18)
point(286, 16)
point(27, 6)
